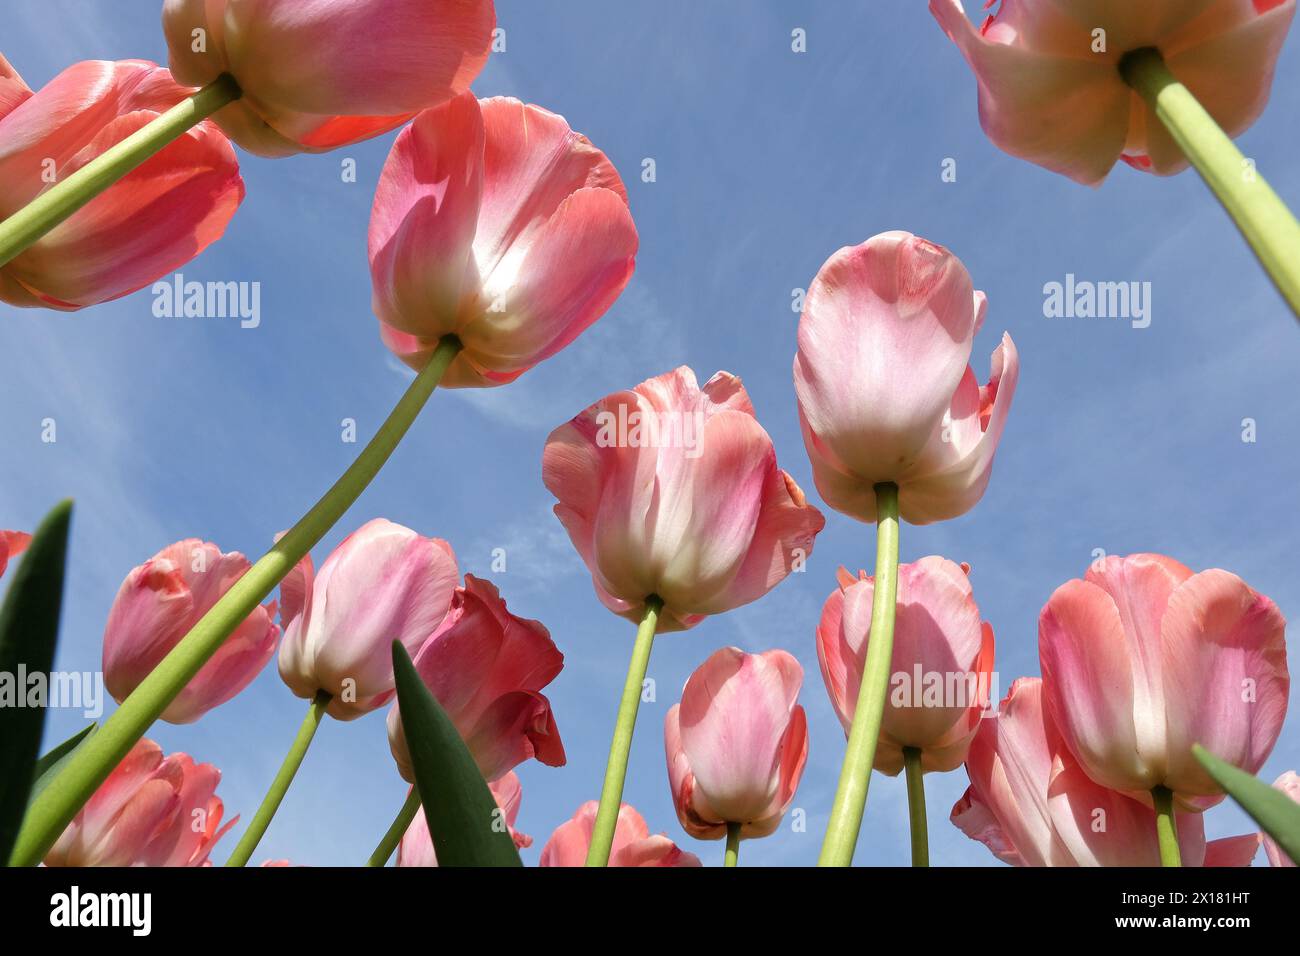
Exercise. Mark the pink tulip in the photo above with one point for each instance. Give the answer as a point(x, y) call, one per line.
point(157, 605)
point(885, 391)
point(151, 811)
point(1051, 93)
point(319, 74)
point(155, 219)
point(12, 544)
point(633, 844)
point(672, 490)
point(384, 583)
point(487, 667)
point(496, 223)
point(1032, 805)
point(1288, 783)
point(737, 743)
point(416, 848)
point(941, 670)
point(1143, 658)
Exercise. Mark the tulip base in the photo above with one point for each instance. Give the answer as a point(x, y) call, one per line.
point(395, 832)
point(92, 762)
point(1166, 827)
point(916, 806)
point(611, 794)
point(25, 227)
point(280, 785)
point(732, 855)
point(860, 756)
point(1263, 218)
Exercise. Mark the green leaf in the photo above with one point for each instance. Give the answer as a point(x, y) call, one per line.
point(1276, 813)
point(53, 762)
point(29, 628)
point(462, 814)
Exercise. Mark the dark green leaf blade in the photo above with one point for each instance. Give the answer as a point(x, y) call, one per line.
point(29, 628)
point(1276, 813)
point(52, 762)
point(461, 812)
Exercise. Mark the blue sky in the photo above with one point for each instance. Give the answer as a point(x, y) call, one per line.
point(767, 162)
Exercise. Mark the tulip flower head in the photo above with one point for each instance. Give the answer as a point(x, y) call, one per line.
point(1051, 91)
point(1142, 659)
point(383, 583)
point(885, 392)
point(157, 605)
point(150, 811)
point(416, 848)
point(156, 218)
point(1031, 804)
point(318, 74)
point(737, 743)
point(942, 666)
point(673, 490)
point(633, 844)
point(1288, 783)
point(12, 544)
point(498, 224)
point(487, 668)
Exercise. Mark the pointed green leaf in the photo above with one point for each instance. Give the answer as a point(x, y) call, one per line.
point(29, 627)
point(1276, 813)
point(52, 762)
point(463, 816)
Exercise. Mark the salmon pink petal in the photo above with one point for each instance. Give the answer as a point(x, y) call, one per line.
point(1225, 676)
point(424, 218)
point(1288, 783)
point(1232, 851)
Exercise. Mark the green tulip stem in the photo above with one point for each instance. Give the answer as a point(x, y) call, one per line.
point(855, 773)
point(1166, 827)
point(1263, 218)
point(916, 806)
point(611, 794)
point(732, 856)
point(395, 832)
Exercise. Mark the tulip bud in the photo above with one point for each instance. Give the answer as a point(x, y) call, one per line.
point(673, 490)
point(1031, 804)
point(383, 583)
point(318, 75)
point(497, 223)
point(941, 670)
point(1142, 659)
point(737, 743)
point(633, 844)
point(487, 667)
point(416, 848)
point(150, 811)
point(120, 241)
point(1050, 89)
point(885, 392)
point(155, 608)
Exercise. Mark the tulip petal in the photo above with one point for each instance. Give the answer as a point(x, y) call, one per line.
point(1225, 674)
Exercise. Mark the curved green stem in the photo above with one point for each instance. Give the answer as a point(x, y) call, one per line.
point(61, 200)
point(1263, 218)
point(280, 785)
point(732, 855)
point(1166, 827)
point(916, 806)
point(860, 755)
point(102, 751)
point(611, 794)
point(395, 832)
